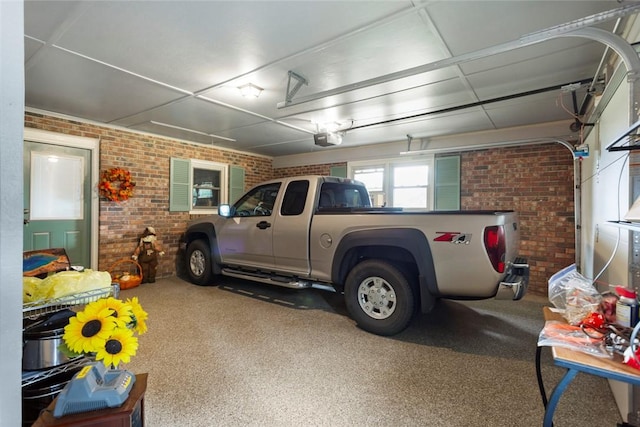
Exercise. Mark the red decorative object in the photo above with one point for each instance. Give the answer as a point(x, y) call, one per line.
point(116, 185)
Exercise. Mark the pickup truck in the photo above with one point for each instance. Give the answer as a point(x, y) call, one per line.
point(318, 231)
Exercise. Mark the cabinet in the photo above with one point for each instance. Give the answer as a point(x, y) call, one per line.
point(130, 414)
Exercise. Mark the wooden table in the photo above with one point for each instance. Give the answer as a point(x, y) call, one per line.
point(574, 362)
point(129, 414)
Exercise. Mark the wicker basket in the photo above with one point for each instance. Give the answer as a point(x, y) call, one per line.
point(127, 273)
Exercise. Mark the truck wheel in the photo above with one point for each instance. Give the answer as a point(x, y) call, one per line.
point(379, 297)
point(199, 263)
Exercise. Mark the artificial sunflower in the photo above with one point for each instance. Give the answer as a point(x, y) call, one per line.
point(106, 330)
point(139, 317)
point(89, 329)
point(119, 347)
point(122, 313)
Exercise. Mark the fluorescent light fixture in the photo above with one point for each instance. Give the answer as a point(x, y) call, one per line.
point(250, 90)
point(192, 131)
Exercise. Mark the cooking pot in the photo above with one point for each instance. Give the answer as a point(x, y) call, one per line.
point(41, 340)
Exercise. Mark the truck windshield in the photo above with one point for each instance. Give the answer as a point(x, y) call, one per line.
point(341, 195)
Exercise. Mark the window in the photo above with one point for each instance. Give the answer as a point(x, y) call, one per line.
point(208, 185)
point(411, 186)
point(294, 198)
point(205, 190)
point(56, 187)
point(419, 182)
point(333, 195)
point(258, 202)
point(372, 178)
point(198, 186)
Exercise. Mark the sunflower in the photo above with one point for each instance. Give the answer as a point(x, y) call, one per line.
point(139, 315)
point(119, 347)
point(89, 329)
point(122, 312)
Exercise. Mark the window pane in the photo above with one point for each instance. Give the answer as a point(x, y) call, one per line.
point(410, 197)
point(410, 176)
point(294, 198)
point(372, 178)
point(206, 188)
point(258, 202)
point(56, 187)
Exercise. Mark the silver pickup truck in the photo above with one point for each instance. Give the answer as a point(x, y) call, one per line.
point(314, 231)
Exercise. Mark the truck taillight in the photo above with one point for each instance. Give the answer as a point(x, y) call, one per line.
point(495, 245)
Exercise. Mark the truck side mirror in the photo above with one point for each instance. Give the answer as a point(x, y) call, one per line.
point(225, 210)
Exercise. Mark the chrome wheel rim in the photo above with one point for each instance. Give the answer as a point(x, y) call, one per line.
point(197, 263)
point(377, 298)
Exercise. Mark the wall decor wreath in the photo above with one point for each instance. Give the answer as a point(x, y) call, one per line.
point(116, 185)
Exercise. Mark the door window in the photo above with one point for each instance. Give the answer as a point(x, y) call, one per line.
point(259, 201)
point(295, 198)
point(56, 187)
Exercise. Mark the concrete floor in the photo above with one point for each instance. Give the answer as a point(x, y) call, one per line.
point(247, 354)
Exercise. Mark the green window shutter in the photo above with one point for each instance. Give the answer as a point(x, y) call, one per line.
point(236, 183)
point(180, 186)
point(447, 183)
point(340, 171)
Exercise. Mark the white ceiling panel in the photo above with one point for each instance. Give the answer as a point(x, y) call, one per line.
point(532, 109)
point(491, 82)
point(496, 22)
point(381, 69)
point(62, 82)
point(194, 45)
point(196, 114)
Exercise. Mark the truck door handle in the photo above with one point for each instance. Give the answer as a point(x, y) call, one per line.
point(262, 225)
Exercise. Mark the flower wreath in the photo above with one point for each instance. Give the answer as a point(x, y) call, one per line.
point(116, 185)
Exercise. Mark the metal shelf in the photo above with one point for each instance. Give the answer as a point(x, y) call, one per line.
point(616, 145)
point(633, 226)
point(31, 377)
point(38, 308)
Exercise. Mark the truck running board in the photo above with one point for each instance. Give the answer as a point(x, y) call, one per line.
point(270, 279)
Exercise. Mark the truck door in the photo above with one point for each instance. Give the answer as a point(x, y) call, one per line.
point(245, 238)
point(291, 235)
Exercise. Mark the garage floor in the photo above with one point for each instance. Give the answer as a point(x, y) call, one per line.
point(245, 354)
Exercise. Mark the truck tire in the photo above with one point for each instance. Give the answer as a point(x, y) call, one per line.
point(199, 262)
point(379, 297)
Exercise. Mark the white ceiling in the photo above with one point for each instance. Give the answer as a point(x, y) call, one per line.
point(173, 68)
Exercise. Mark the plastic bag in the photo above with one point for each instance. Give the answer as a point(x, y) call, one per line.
point(67, 283)
point(31, 289)
point(560, 334)
point(574, 293)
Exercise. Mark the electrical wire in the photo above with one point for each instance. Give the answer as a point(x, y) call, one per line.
point(575, 115)
point(623, 157)
point(615, 249)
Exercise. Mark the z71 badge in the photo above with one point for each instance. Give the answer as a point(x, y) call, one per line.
point(453, 237)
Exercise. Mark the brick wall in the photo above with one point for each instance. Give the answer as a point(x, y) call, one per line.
point(305, 170)
point(537, 182)
point(148, 160)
